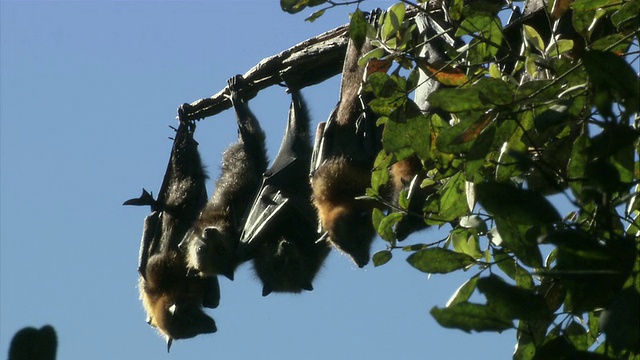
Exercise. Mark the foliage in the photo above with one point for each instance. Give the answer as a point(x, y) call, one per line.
point(522, 112)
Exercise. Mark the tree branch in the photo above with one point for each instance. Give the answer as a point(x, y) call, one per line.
point(307, 63)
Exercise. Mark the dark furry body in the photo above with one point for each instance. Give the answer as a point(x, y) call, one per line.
point(211, 244)
point(343, 169)
point(280, 233)
point(172, 299)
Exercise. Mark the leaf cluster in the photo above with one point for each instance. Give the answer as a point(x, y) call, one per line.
point(546, 105)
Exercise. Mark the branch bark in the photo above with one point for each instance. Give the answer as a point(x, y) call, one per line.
point(307, 63)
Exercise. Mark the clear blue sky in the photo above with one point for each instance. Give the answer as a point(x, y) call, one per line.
point(88, 90)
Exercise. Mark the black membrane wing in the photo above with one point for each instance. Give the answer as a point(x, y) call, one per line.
point(267, 205)
point(280, 229)
point(173, 299)
point(285, 187)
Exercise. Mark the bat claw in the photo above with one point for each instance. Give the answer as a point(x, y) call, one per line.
point(323, 237)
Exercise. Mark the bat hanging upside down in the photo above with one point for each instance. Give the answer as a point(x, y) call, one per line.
point(281, 229)
point(211, 244)
point(173, 299)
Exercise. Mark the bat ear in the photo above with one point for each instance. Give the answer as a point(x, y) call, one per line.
point(307, 286)
point(211, 296)
point(169, 342)
point(266, 290)
point(361, 259)
point(228, 274)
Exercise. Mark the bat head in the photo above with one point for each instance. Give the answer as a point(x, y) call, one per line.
point(210, 251)
point(287, 266)
point(172, 300)
point(336, 185)
point(181, 321)
point(351, 232)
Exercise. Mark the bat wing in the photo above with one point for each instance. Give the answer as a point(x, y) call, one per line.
point(267, 205)
point(148, 240)
point(275, 198)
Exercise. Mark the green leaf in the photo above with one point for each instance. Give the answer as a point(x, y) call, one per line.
point(524, 351)
point(553, 291)
point(621, 320)
point(358, 28)
point(487, 93)
point(511, 301)
point(455, 9)
point(474, 23)
point(392, 20)
point(578, 164)
point(559, 47)
point(381, 257)
point(494, 71)
point(383, 86)
point(593, 322)
point(439, 261)
point(313, 17)
point(505, 262)
point(464, 292)
point(474, 222)
point(467, 317)
point(516, 238)
point(376, 217)
point(465, 242)
point(408, 131)
point(577, 335)
point(461, 137)
point(551, 118)
point(380, 173)
point(592, 4)
point(516, 205)
point(537, 91)
point(453, 198)
point(582, 19)
point(627, 15)
point(534, 38)
point(613, 76)
point(293, 6)
point(456, 100)
point(592, 272)
point(616, 43)
point(385, 228)
point(375, 53)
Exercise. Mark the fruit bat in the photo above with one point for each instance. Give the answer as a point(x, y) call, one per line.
point(34, 344)
point(211, 244)
point(342, 163)
point(172, 298)
point(281, 229)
